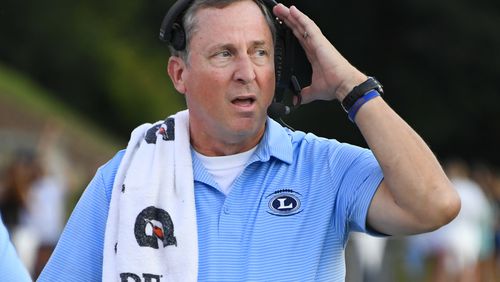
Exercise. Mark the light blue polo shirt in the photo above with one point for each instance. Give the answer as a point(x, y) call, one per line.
point(287, 217)
point(11, 266)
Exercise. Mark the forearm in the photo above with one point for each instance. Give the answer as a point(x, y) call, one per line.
point(415, 195)
point(412, 174)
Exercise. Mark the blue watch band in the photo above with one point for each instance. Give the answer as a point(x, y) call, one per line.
point(360, 102)
point(359, 91)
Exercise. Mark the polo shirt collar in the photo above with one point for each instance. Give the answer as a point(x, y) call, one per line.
point(276, 142)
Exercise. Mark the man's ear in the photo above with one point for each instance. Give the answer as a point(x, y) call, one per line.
point(175, 69)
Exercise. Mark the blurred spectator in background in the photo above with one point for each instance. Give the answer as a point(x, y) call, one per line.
point(369, 251)
point(422, 250)
point(18, 178)
point(11, 268)
point(496, 193)
point(46, 215)
point(457, 249)
point(485, 177)
point(48, 195)
point(465, 235)
point(33, 202)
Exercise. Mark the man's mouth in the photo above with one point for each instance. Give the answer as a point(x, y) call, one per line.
point(243, 102)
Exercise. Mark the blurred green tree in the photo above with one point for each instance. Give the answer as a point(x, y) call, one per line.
point(101, 58)
point(438, 61)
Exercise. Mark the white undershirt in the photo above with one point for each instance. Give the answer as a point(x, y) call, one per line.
point(225, 169)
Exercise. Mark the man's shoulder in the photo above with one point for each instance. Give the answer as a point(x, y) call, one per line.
point(108, 171)
point(308, 139)
point(112, 165)
point(278, 132)
point(311, 146)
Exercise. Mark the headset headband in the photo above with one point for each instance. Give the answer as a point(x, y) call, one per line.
point(172, 31)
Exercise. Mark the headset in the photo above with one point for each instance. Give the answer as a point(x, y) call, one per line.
point(287, 84)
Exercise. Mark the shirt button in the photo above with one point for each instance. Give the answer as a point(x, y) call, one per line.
point(226, 210)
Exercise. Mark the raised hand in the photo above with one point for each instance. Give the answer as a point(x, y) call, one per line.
point(332, 75)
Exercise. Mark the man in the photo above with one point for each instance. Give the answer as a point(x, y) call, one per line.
point(271, 204)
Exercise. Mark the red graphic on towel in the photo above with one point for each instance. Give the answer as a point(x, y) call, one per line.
point(154, 225)
point(157, 231)
point(166, 131)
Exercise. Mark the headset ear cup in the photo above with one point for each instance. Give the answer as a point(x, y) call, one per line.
point(178, 39)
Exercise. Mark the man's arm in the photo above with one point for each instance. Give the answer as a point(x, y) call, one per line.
point(415, 195)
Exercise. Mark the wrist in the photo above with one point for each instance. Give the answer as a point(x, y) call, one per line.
point(348, 85)
point(361, 94)
point(351, 114)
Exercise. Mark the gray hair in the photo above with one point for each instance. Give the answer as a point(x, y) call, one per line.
point(189, 21)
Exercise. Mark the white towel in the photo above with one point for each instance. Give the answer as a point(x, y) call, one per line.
point(151, 232)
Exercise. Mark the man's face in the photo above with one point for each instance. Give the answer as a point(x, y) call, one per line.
point(229, 79)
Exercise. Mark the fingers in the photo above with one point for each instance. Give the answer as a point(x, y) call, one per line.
point(291, 21)
point(303, 21)
point(301, 25)
point(304, 29)
point(325, 60)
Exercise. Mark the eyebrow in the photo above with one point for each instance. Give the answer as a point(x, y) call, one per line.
point(256, 43)
point(259, 43)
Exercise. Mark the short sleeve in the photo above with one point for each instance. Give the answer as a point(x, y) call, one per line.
point(361, 178)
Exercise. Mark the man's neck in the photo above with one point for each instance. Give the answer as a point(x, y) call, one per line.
point(211, 146)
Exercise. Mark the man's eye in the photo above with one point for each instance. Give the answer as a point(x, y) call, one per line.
point(221, 58)
point(261, 52)
point(224, 53)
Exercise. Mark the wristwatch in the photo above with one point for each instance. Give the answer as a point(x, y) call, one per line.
point(358, 91)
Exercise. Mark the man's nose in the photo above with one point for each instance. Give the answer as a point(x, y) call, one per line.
point(245, 69)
